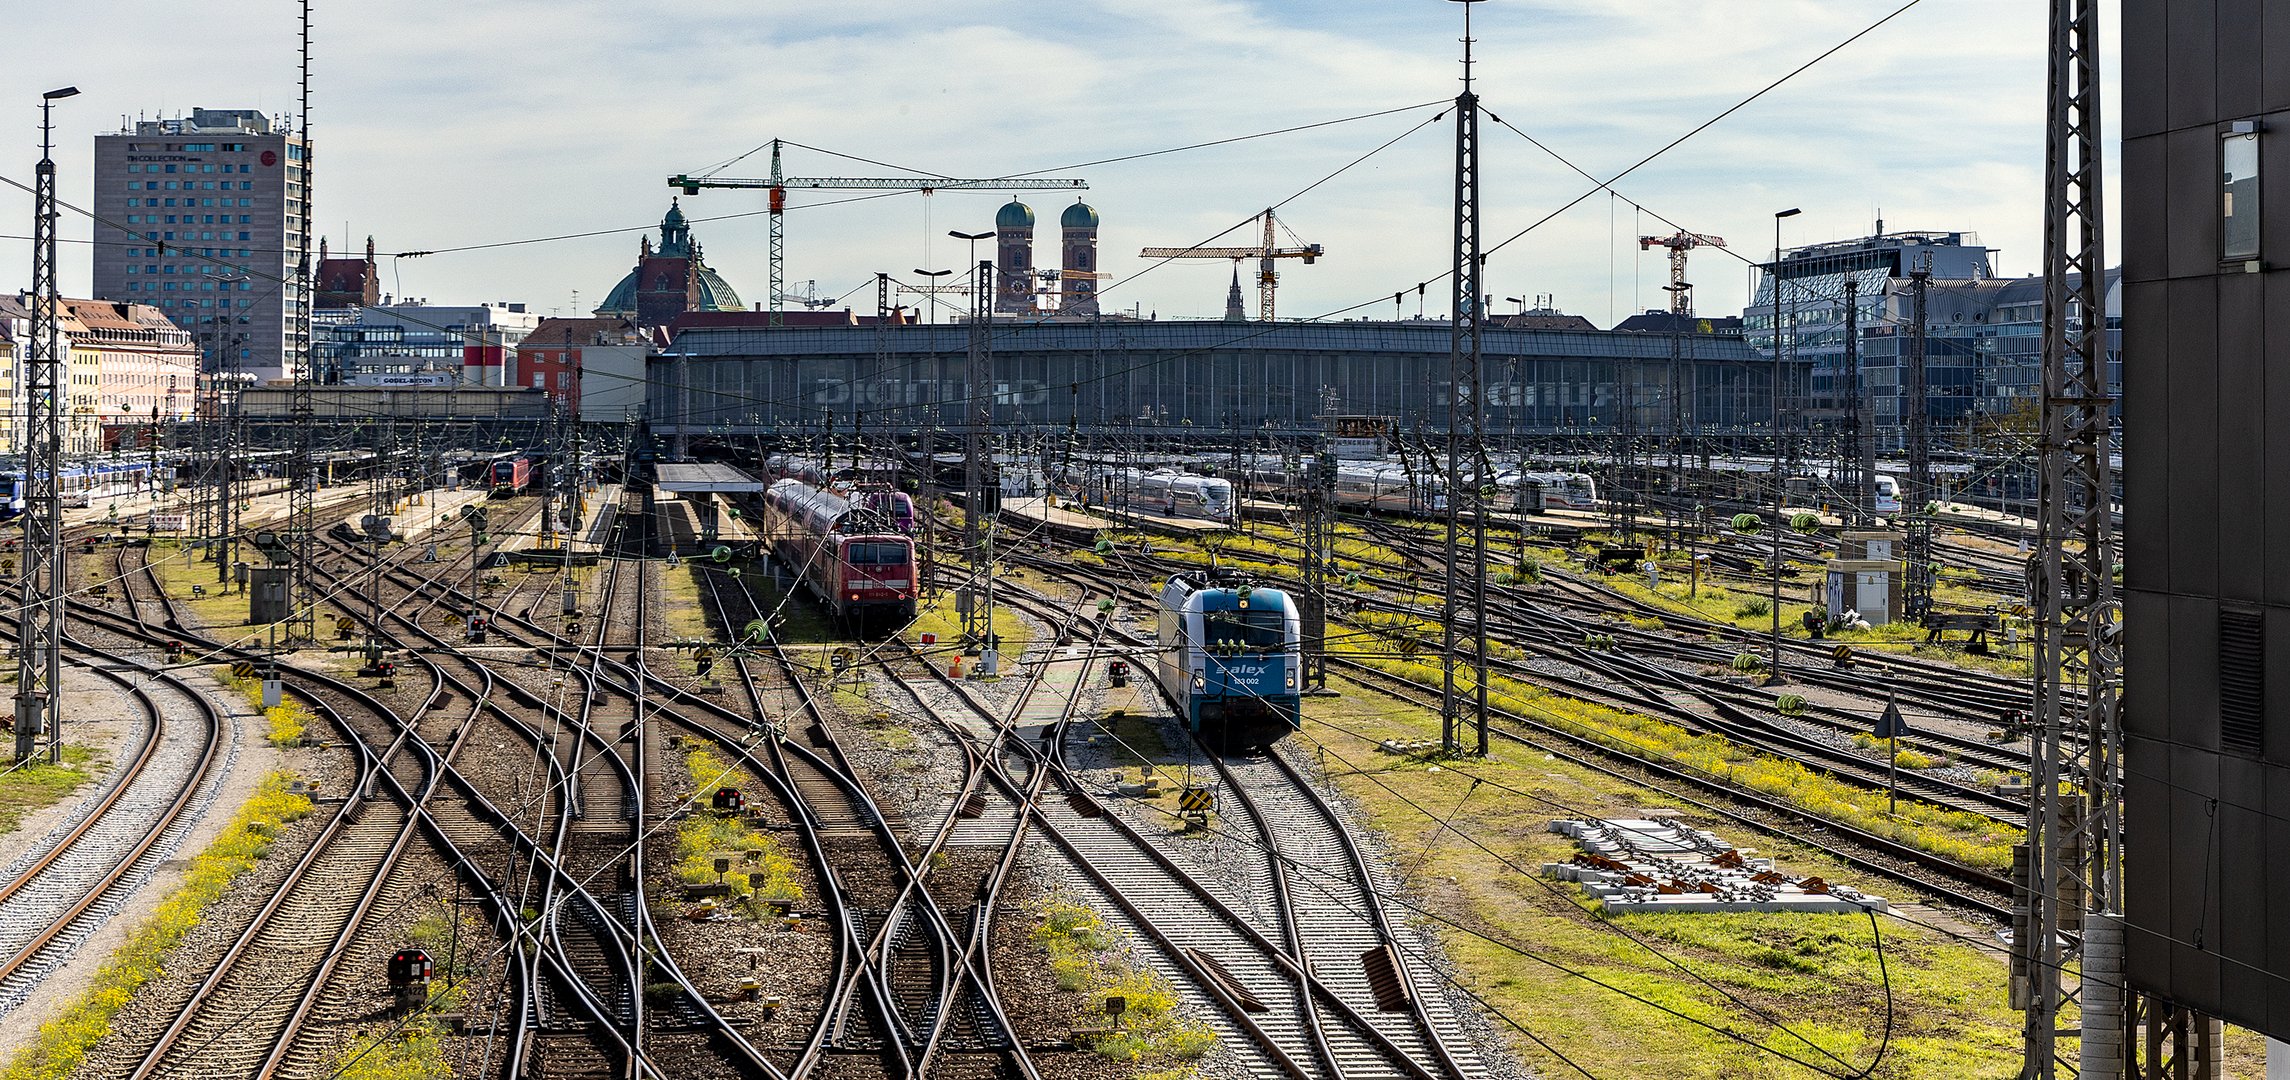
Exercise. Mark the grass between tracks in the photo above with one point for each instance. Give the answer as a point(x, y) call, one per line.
point(288, 721)
point(1511, 935)
point(1407, 646)
point(763, 872)
point(1090, 958)
point(180, 572)
point(1966, 837)
point(38, 784)
point(415, 1048)
point(63, 1043)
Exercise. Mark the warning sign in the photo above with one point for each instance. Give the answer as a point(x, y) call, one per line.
point(244, 669)
point(1197, 800)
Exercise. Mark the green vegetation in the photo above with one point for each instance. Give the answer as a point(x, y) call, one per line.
point(1512, 937)
point(63, 1043)
point(937, 616)
point(1087, 956)
point(1968, 838)
point(761, 871)
point(179, 571)
point(289, 720)
point(414, 1050)
point(36, 783)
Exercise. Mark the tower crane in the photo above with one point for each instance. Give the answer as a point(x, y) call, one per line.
point(1679, 243)
point(1264, 253)
point(778, 183)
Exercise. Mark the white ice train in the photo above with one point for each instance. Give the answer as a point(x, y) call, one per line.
point(1888, 494)
point(1163, 491)
point(1559, 490)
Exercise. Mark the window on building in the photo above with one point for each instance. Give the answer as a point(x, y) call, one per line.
point(2238, 161)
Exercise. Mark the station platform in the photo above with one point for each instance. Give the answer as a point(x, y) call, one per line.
point(591, 534)
point(694, 524)
point(413, 519)
point(1038, 510)
point(692, 478)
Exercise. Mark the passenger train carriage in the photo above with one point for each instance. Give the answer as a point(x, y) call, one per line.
point(81, 486)
point(846, 555)
point(1229, 656)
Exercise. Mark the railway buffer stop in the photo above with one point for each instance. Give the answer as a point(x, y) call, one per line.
point(707, 478)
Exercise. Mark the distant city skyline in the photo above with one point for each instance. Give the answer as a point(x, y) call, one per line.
point(518, 121)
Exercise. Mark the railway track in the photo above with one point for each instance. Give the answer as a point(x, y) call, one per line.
point(75, 878)
point(1977, 889)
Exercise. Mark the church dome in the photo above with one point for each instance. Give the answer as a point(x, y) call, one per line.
point(1014, 215)
point(1078, 216)
point(676, 242)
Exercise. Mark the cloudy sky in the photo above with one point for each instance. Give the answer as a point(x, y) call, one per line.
point(444, 125)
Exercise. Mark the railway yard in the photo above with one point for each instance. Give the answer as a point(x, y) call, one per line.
point(635, 805)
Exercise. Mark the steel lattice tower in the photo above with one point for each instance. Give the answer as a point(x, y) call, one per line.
point(40, 621)
point(2073, 863)
point(302, 592)
point(1466, 584)
point(977, 621)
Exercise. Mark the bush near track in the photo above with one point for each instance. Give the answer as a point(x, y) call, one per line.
point(63, 1042)
point(1091, 958)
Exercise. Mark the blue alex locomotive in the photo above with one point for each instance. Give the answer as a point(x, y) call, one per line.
point(1230, 653)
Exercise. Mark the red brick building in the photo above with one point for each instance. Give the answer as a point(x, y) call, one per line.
point(551, 358)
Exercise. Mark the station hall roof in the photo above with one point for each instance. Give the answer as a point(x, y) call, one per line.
point(707, 477)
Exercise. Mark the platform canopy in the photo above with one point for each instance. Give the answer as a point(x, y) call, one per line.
point(709, 477)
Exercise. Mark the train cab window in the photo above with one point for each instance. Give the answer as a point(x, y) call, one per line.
point(1256, 630)
point(878, 554)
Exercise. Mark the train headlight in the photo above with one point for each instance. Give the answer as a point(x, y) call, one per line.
point(1292, 680)
point(1200, 681)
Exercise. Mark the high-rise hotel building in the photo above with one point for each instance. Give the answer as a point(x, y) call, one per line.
point(201, 217)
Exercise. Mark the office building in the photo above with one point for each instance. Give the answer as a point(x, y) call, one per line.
point(201, 217)
point(421, 344)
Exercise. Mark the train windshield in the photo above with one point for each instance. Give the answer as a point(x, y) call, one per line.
point(1260, 629)
point(879, 554)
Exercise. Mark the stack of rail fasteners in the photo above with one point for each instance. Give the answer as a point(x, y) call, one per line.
point(1635, 864)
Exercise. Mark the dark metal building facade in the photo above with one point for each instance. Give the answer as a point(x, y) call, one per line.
point(1199, 377)
point(2206, 422)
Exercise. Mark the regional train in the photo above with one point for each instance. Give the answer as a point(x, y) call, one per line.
point(845, 554)
point(1229, 656)
point(510, 478)
point(82, 486)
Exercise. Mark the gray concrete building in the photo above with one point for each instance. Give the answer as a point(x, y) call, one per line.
point(2206, 460)
point(201, 217)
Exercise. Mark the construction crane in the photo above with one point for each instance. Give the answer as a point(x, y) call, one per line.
point(1264, 253)
point(778, 183)
point(1679, 243)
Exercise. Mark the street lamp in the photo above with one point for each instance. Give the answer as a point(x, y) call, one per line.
point(973, 238)
point(1780, 482)
point(933, 292)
